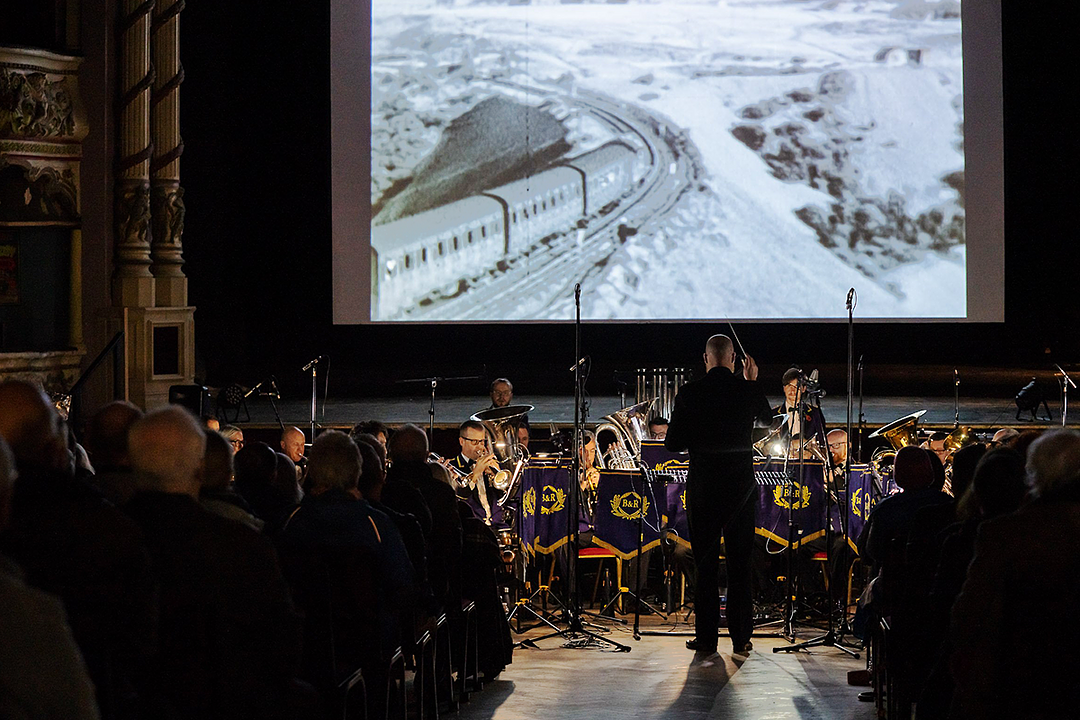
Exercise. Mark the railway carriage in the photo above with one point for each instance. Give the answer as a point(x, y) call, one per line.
point(412, 256)
point(610, 170)
point(540, 205)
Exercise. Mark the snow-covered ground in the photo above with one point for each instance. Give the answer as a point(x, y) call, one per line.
point(831, 135)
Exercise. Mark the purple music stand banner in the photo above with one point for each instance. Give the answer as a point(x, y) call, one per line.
point(861, 500)
point(621, 498)
point(805, 496)
point(545, 501)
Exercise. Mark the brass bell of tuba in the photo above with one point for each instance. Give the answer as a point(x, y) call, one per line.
point(501, 426)
point(900, 433)
point(629, 426)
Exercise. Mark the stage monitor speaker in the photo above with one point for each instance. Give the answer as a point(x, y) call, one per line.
point(195, 398)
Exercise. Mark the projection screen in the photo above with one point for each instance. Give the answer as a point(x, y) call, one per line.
point(680, 160)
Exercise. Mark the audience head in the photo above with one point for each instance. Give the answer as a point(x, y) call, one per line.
point(1053, 463)
point(235, 436)
point(212, 423)
point(501, 391)
point(964, 462)
point(409, 445)
point(374, 428)
point(719, 352)
point(1023, 441)
point(372, 469)
point(167, 447)
point(998, 484)
point(31, 426)
point(940, 477)
point(912, 469)
point(334, 462)
point(285, 474)
point(106, 435)
point(658, 427)
point(217, 462)
point(292, 443)
point(254, 465)
point(1004, 436)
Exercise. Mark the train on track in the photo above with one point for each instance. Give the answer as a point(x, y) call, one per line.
point(416, 255)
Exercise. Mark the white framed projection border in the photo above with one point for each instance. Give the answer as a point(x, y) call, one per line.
point(682, 160)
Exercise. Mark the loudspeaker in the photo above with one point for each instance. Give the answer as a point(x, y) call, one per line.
point(195, 398)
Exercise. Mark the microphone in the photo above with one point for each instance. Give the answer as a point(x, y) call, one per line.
point(273, 386)
point(956, 376)
point(249, 392)
point(578, 364)
point(860, 364)
point(314, 362)
point(850, 297)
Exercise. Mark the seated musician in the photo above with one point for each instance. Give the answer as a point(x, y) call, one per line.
point(810, 423)
point(658, 428)
point(477, 461)
point(501, 391)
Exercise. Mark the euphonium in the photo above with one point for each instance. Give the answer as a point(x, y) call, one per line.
point(630, 427)
point(501, 426)
point(900, 433)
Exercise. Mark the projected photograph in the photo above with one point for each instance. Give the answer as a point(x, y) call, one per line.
point(678, 159)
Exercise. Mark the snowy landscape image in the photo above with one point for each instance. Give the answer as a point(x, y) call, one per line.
point(749, 159)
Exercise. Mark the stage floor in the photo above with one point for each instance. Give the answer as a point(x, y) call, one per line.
point(660, 679)
point(983, 413)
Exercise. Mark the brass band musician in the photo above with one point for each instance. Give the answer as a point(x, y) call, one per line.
point(807, 422)
point(476, 461)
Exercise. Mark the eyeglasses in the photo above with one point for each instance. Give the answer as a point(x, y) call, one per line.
point(237, 443)
point(475, 441)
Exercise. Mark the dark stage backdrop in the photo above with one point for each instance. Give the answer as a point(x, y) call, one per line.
point(255, 119)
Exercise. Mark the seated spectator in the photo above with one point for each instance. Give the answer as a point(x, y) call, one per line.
point(42, 674)
point(107, 445)
point(337, 549)
point(234, 435)
point(1004, 437)
point(270, 497)
point(229, 639)
point(217, 493)
point(371, 483)
point(409, 470)
point(1013, 644)
point(71, 542)
point(374, 428)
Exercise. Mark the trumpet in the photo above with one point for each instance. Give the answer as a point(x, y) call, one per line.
point(460, 477)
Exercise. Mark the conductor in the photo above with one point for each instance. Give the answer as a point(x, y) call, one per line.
point(713, 418)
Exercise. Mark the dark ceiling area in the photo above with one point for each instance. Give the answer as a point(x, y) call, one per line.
point(255, 116)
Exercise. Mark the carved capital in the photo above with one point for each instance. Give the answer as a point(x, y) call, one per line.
point(132, 229)
point(167, 206)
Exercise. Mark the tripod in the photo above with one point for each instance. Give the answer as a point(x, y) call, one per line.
point(575, 633)
point(831, 638)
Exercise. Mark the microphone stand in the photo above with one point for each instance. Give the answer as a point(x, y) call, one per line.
point(313, 366)
point(1065, 383)
point(956, 399)
point(862, 418)
point(575, 633)
point(831, 637)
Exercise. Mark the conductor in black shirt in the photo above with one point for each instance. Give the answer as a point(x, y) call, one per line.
point(713, 418)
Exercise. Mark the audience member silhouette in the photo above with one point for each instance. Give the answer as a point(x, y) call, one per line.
point(106, 441)
point(217, 493)
point(1014, 645)
point(228, 637)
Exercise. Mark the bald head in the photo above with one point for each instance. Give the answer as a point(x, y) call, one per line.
point(107, 435)
point(292, 443)
point(28, 422)
point(167, 446)
point(719, 351)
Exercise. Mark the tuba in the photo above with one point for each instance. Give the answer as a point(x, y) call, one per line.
point(629, 426)
point(900, 433)
point(501, 425)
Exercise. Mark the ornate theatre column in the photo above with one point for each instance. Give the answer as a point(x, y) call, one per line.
point(166, 195)
point(133, 284)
